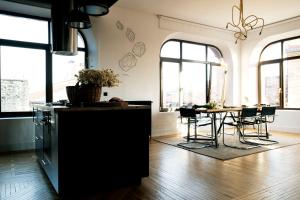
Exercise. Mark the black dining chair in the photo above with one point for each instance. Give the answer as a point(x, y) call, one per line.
point(246, 117)
point(266, 116)
point(194, 141)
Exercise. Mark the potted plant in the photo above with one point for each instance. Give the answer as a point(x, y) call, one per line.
point(89, 85)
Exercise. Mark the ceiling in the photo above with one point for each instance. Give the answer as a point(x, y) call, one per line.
point(215, 12)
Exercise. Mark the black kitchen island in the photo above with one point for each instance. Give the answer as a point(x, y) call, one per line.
point(83, 149)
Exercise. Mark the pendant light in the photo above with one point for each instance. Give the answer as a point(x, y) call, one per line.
point(78, 19)
point(94, 8)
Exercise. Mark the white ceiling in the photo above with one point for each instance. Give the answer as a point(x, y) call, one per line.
point(215, 12)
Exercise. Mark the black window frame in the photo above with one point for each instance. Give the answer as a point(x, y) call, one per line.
point(281, 74)
point(180, 60)
point(40, 46)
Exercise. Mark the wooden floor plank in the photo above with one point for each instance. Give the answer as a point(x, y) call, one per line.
point(175, 174)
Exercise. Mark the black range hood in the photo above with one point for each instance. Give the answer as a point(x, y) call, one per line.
point(64, 38)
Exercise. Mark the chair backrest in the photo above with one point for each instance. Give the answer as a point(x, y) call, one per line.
point(266, 111)
point(249, 112)
point(187, 112)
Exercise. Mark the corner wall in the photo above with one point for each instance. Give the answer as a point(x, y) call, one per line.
point(118, 32)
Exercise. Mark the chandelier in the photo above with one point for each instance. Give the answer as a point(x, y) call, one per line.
point(243, 25)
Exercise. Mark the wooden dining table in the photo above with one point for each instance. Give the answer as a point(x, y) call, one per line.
point(213, 112)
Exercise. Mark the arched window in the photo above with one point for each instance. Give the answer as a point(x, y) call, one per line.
point(28, 71)
point(186, 73)
point(279, 72)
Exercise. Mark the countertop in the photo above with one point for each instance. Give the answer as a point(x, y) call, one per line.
point(61, 108)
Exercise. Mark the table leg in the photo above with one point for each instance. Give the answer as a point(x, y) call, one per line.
point(214, 130)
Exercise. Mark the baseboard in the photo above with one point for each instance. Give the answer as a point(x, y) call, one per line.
point(17, 147)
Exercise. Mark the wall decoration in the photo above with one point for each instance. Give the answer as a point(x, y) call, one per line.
point(127, 62)
point(130, 35)
point(119, 25)
point(139, 49)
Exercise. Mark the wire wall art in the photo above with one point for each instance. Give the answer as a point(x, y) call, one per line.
point(129, 60)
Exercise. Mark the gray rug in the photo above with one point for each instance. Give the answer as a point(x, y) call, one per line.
point(226, 153)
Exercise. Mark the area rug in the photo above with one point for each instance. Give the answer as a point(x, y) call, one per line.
point(226, 153)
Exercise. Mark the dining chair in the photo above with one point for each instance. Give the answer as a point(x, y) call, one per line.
point(266, 116)
point(193, 120)
point(246, 117)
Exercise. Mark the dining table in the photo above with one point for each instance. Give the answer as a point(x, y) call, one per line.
point(213, 113)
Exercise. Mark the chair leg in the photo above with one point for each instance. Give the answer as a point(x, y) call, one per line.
point(188, 134)
point(242, 138)
point(195, 129)
point(240, 135)
point(267, 133)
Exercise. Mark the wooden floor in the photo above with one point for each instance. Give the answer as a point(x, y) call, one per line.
point(175, 174)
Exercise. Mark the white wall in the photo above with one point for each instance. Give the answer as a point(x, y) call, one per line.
point(142, 81)
point(287, 120)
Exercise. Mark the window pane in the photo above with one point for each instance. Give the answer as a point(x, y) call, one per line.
point(171, 49)
point(291, 48)
point(193, 51)
point(23, 29)
point(170, 85)
point(64, 69)
point(213, 55)
point(271, 52)
point(22, 78)
point(193, 83)
point(80, 41)
point(270, 89)
point(217, 84)
point(292, 83)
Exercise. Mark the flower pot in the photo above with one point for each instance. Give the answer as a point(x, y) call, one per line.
point(73, 94)
point(89, 94)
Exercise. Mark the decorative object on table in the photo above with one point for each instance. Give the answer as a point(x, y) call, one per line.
point(89, 85)
point(242, 25)
point(210, 105)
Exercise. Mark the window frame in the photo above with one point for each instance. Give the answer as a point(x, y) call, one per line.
point(40, 46)
point(281, 74)
point(180, 60)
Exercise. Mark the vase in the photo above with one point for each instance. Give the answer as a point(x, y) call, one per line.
point(89, 94)
point(73, 94)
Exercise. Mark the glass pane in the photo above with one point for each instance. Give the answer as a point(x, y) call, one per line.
point(213, 55)
point(270, 88)
point(80, 41)
point(217, 84)
point(23, 29)
point(22, 78)
point(64, 69)
point(271, 52)
point(193, 52)
point(193, 83)
point(291, 48)
point(170, 85)
point(292, 83)
point(171, 49)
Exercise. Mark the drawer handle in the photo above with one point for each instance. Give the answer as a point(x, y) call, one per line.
point(44, 163)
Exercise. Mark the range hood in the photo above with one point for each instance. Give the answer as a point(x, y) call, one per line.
point(63, 38)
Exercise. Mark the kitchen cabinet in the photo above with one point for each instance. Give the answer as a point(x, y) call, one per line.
point(91, 148)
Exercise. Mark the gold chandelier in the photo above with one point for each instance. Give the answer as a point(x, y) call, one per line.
point(243, 25)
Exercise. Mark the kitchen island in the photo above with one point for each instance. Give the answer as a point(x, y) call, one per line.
point(83, 149)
